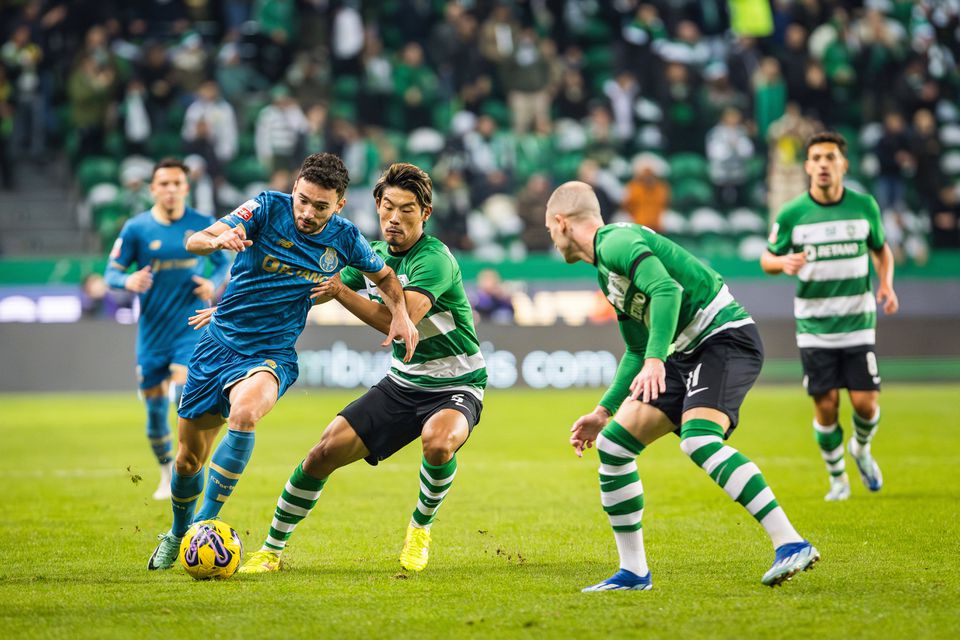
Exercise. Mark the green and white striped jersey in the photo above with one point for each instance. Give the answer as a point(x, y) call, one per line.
point(666, 299)
point(834, 305)
point(448, 355)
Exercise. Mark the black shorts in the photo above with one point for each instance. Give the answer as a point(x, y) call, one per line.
point(390, 416)
point(853, 368)
point(717, 375)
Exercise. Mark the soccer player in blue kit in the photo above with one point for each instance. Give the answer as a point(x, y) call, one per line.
point(171, 285)
point(245, 360)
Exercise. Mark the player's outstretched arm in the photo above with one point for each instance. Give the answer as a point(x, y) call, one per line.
point(883, 263)
point(401, 326)
point(218, 236)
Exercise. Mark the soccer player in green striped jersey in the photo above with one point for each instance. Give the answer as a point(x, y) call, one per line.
point(826, 238)
point(437, 396)
point(692, 354)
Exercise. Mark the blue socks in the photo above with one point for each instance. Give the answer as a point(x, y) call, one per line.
point(158, 428)
point(186, 491)
point(226, 466)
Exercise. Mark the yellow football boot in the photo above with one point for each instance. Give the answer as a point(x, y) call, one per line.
point(416, 549)
point(263, 561)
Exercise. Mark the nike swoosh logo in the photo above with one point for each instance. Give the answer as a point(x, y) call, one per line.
point(694, 392)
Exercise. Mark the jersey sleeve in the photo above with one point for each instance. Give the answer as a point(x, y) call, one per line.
point(877, 238)
point(250, 215)
point(630, 256)
point(124, 251)
point(431, 274)
point(780, 240)
point(352, 279)
point(362, 256)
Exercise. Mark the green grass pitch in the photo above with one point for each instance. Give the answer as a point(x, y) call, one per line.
point(520, 533)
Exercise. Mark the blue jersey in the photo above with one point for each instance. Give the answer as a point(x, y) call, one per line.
point(265, 305)
point(169, 302)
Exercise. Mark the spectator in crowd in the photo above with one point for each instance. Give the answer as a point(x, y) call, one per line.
point(526, 77)
point(498, 35)
point(91, 89)
point(572, 97)
point(491, 301)
point(786, 152)
point(946, 219)
point(415, 85)
point(622, 92)
point(6, 130)
point(237, 79)
point(896, 161)
point(926, 150)
point(769, 95)
point(376, 84)
point(605, 185)
point(219, 118)
point(531, 203)
point(96, 299)
point(451, 209)
point(346, 41)
point(490, 159)
point(136, 118)
point(728, 149)
point(22, 57)
point(280, 128)
point(647, 194)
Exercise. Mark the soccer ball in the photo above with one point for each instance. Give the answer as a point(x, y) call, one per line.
point(211, 549)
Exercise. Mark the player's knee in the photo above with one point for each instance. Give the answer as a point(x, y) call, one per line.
point(439, 450)
point(187, 463)
point(321, 460)
point(243, 418)
point(866, 408)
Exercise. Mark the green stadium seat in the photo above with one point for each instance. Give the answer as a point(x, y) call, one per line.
point(96, 169)
point(688, 165)
point(245, 170)
point(691, 193)
point(165, 143)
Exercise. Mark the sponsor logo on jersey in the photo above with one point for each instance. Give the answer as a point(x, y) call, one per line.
point(155, 245)
point(245, 211)
point(638, 304)
point(271, 264)
point(286, 244)
point(329, 260)
point(832, 250)
point(115, 252)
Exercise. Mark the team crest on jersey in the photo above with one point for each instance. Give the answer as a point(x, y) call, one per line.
point(155, 245)
point(115, 251)
point(286, 244)
point(245, 211)
point(329, 260)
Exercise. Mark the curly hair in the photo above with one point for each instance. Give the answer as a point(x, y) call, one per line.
point(408, 177)
point(325, 170)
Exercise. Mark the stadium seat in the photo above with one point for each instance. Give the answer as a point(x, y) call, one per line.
point(746, 221)
point(950, 163)
point(673, 223)
point(704, 220)
point(95, 170)
point(691, 193)
point(246, 169)
point(162, 144)
point(688, 165)
point(950, 136)
point(751, 247)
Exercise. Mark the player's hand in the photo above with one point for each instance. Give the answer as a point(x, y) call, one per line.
point(139, 281)
point(201, 318)
point(585, 430)
point(234, 239)
point(792, 262)
point(888, 299)
point(650, 382)
point(326, 290)
point(204, 289)
point(402, 328)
